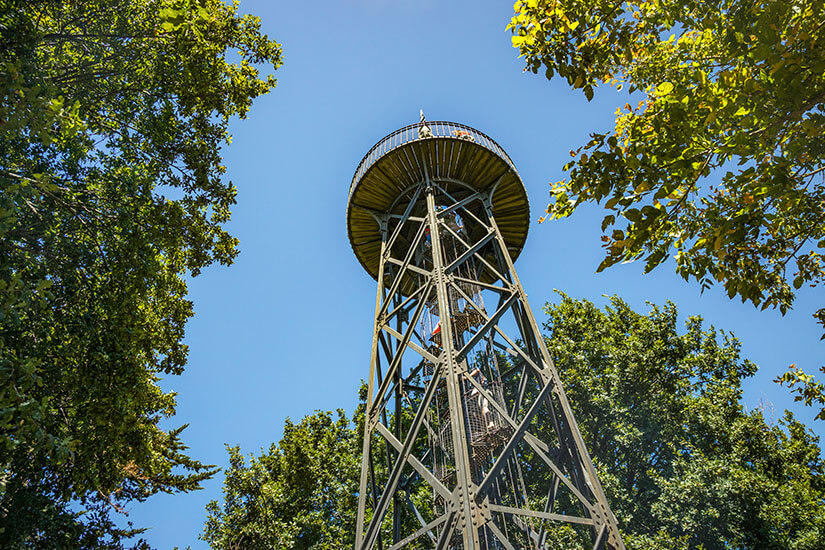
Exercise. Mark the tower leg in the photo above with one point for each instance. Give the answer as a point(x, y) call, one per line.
point(368, 424)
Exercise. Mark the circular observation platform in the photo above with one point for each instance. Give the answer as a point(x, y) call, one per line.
point(455, 156)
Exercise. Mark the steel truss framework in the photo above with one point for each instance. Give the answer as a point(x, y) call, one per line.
point(470, 440)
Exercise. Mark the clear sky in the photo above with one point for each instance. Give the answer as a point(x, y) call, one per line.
point(286, 330)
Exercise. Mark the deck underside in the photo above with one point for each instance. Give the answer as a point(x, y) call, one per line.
point(461, 165)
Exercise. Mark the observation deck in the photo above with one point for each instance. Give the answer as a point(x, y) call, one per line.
point(454, 154)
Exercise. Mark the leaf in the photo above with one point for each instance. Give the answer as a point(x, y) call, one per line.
point(654, 259)
point(664, 88)
point(608, 220)
point(717, 244)
point(632, 214)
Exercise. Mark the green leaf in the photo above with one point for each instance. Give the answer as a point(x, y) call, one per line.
point(632, 214)
point(718, 242)
point(664, 88)
point(608, 220)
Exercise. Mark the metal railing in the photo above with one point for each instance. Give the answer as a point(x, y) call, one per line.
point(438, 129)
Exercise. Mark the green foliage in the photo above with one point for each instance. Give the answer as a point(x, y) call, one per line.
point(107, 109)
point(300, 494)
point(683, 465)
point(807, 388)
point(722, 162)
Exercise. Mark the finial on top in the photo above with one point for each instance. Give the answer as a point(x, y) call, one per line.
point(424, 130)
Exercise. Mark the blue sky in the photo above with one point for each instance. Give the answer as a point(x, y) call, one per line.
point(286, 329)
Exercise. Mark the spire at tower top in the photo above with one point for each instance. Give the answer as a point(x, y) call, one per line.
point(424, 131)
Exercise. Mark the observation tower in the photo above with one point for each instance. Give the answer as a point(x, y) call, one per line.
point(470, 442)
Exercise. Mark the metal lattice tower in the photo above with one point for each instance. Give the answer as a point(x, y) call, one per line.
point(470, 441)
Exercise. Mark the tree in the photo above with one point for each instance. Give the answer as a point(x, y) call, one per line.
point(300, 494)
point(722, 161)
point(112, 116)
point(684, 465)
point(806, 388)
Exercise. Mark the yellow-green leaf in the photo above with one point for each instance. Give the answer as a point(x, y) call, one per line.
point(664, 88)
